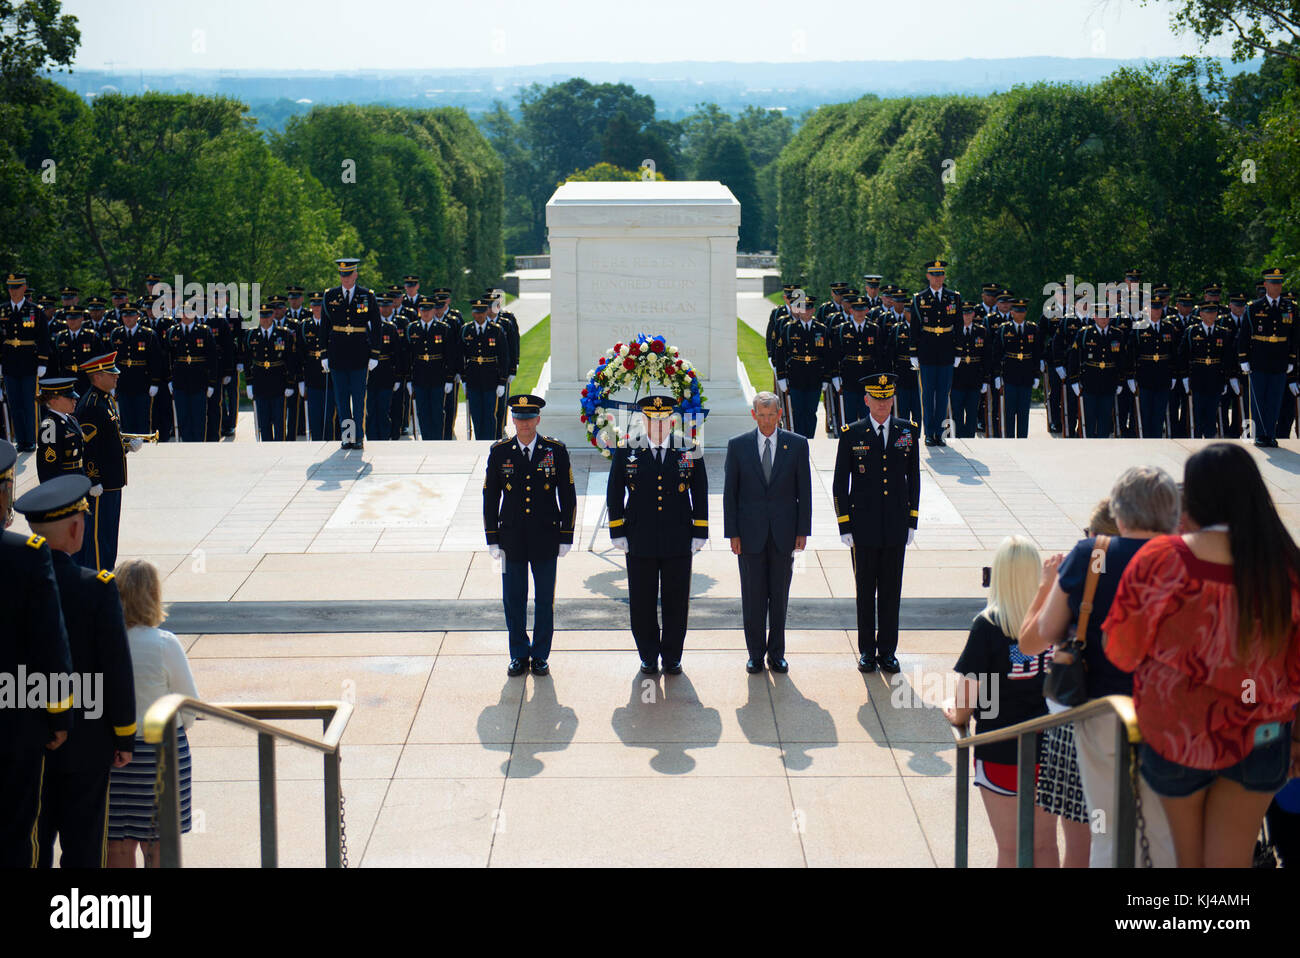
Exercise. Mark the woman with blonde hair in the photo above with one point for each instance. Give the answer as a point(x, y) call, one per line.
point(1002, 686)
point(160, 669)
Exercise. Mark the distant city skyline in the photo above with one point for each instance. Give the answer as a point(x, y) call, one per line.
point(409, 35)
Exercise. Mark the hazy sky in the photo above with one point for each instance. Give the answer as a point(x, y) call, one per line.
point(407, 34)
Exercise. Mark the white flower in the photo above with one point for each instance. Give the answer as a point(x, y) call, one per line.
point(624, 351)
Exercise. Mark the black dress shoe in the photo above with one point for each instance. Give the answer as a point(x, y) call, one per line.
point(517, 667)
point(1261, 443)
point(866, 663)
point(940, 441)
point(888, 663)
point(649, 668)
point(778, 665)
point(674, 669)
point(929, 441)
point(754, 666)
point(540, 668)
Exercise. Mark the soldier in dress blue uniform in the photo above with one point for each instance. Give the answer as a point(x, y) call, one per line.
point(105, 458)
point(140, 357)
point(1266, 351)
point(1053, 316)
point(485, 367)
point(385, 380)
point(73, 346)
point(270, 376)
point(903, 361)
point(195, 361)
point(970, 372)
point(1099, 362)
point(860, 350)
point(32, 637)
point(510, 323)
point(399, 400)
point(313, 381)
point(444, 311)
point(878, 518)
point(871, 290)
point(658, 501)
point(346, 313)
point(529, 506)
point(936, 312)
point(1017, 362)
point(74, 791)
point(1208, 365)
point(98, 318)
point(776, 318)
point(60, 449)
point(431, 352)
point(1155, 344)
point(805, 362)
point(23, 341)
point(828, 310)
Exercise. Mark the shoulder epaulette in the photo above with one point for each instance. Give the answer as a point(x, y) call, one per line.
point(554, 440)
point(502, 441)
point(34, 541)
point(104, 576)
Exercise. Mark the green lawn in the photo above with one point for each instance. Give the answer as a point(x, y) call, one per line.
point(534, 349)
point(777, 298)
point(753, 353)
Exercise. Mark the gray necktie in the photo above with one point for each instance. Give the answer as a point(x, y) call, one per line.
point(767, 458)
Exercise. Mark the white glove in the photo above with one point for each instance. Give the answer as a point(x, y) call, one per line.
point(956, 362)
point(911, 536)
point(288, 392)
point(135, 444)
point(325, 365)
point(1119, 390)
point(1289, 367)
point(783, 384)
point(1077, 390)
point(302, 389)
point(410, 389)
point(40, 372)
point(1295, 388)
point(916, 363)
point(837, 382)
point(210, 392)
point(1035, 383)
point(171, 388)
point(249, 390)
point(96, 489)
point(225, 380)
point(396, 386)
point(1060, 372)
point(1245, 368)
point(1133, 386)
point(620, 544)
point(495, 551)
point(446, 389)
point(997, 382)
point(697, 545)
point(1042, 365)
point(1236, 386)
point(1172, 383)
point(1187, 387)
point(239, 367)
point(984, 387)
point(372, 365)
point(564, 549)
point(153, 391)
point(847, 539)
point(501, 390)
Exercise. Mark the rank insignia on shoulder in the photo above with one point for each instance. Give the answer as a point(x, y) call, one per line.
point(35, 542)
point(104, 576)
point(553, 439)
point(844, 428)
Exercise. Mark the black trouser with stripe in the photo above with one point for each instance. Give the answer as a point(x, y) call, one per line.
point(20, 792)
point(878, 573)
point(74, 806)
point(654, 579)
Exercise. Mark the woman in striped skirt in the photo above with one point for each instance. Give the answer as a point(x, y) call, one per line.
point(160, 669)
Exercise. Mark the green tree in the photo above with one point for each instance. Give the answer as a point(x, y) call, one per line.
point(33, 36)
point(727, 160)
point(1270, 28)
point(605, 172)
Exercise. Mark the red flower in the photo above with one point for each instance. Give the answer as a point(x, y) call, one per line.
point(691, 373)
point(656, 346)
point(582, 418)
point(629, 363)
point(617, 347)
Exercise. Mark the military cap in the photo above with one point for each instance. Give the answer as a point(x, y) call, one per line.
point(410, 280)
point(55, 499)
point(118, 291)
point(1005, 298)
point(266, 309)
point(16, 279)
point(67, 291)
point(129, 310)
point(1208, 308)
point(526, 406)
point(789, 288)
point(967, 306)
point(277, 301)
point(839, 285)
point(1238, 299)
point(347, 266)
point(46, 300)
point(1274, 275)
point(993, 288)
point(900, 292)
point(479, 305)
point(395, 290)
point(1185, 299)
point(889, 290)
point(440, 291)
point(426, 302)
point(656, 407)
point(315, 299)
point(936, 266)
point(103, 363)
point(152, 278)
point(857, 302)
point(74, 312)
point(879, 385)
point(1212, 288)
point(1133, 274)
point(59, 386)
point(293, 291)
point(1101, 308)
point(1157, 302)
point(1019, 305)
point(871, 279)
point(851, 291)
point(8, 456)
point(96, 302)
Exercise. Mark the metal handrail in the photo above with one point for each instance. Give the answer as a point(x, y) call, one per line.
point(1025, 733)
point(160, 727)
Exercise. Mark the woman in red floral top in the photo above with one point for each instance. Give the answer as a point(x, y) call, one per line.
point(1215, 692)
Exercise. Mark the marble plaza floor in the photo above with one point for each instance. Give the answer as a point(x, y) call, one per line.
point(447, 761)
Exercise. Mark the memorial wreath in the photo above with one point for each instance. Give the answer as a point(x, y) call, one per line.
point(637, 365)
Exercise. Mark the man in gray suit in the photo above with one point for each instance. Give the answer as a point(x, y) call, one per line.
point(767, 515)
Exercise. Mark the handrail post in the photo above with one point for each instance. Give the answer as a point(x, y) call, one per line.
point(333, 813)
point(169, 801)
point(266, 797)
point(960, 855)
point(1026, 763)
point(1125, 813)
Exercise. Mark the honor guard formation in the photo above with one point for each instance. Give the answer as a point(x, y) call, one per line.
point(1138, 362)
